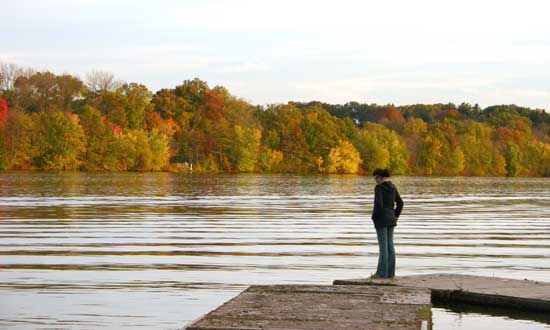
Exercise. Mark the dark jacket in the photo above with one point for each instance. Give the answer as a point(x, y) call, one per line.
point(383, 213)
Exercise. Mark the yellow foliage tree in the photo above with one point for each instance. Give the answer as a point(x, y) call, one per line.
point(246, 147)
point(343, 159)
point(269, 159)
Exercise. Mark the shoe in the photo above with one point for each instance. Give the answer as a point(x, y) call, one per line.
point(376, 276)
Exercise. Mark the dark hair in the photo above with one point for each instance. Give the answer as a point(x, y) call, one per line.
point(383, 172)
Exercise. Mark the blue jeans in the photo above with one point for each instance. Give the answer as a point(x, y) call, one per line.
point(386, 258)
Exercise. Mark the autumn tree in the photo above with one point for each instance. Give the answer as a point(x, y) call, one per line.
point(391, 117)
point(246, 148)
point(513, 156)
point(536, 158)
point(414, 132)
point(58, 122)
point(269, 160)
point(481, 157)
point(429, 154)
point(293, 144)
point(18, 134)
point(159, 145)
point(3, 134)
point(45, 91)
point(113, 106)
point(450, 159)
point(343, 159)
point(100, 136)
point(382, 147)
point(60, 141)
point(136, 102)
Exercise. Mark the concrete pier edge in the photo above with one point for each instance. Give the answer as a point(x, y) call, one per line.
point(477, 290)
point(370, 303)
point(313, 307)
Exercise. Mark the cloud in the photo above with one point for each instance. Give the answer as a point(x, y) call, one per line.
point(244, 67)
point(271, 51)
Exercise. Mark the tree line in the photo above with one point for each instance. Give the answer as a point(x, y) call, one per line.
point(61, 122)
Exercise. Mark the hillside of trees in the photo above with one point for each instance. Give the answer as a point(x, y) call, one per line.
point(61, 122)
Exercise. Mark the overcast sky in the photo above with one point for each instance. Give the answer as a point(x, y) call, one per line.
point(401, 52)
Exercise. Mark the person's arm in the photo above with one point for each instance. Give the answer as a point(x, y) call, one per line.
point(399, 203)
point(378, 200)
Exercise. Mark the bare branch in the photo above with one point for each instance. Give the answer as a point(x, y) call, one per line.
point(9, 73)
point(97, 81)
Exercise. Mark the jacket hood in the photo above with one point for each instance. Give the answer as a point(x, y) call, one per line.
point(387, 185)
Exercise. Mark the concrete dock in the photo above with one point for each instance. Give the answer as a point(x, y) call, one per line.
point(492, 291)
point(305, 307)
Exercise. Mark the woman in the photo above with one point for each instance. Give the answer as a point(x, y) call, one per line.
point(384, 216)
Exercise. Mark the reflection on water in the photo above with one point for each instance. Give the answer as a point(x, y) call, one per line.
point(474, 317)
point(157, 250)
point(458, 317)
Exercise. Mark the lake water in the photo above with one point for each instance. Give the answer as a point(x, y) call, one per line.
point(157, 250)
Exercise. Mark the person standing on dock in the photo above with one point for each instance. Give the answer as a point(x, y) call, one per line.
point(387, 208)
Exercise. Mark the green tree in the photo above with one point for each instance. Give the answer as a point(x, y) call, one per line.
point(287, 121)
point(60, 142)
point(513, 157)
point(192, 91)
point(122, 153)
point(136, 103)
point(113, 106)
point(246, 148)
point(158, 143)
point(99, 137)
point(143, 152)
